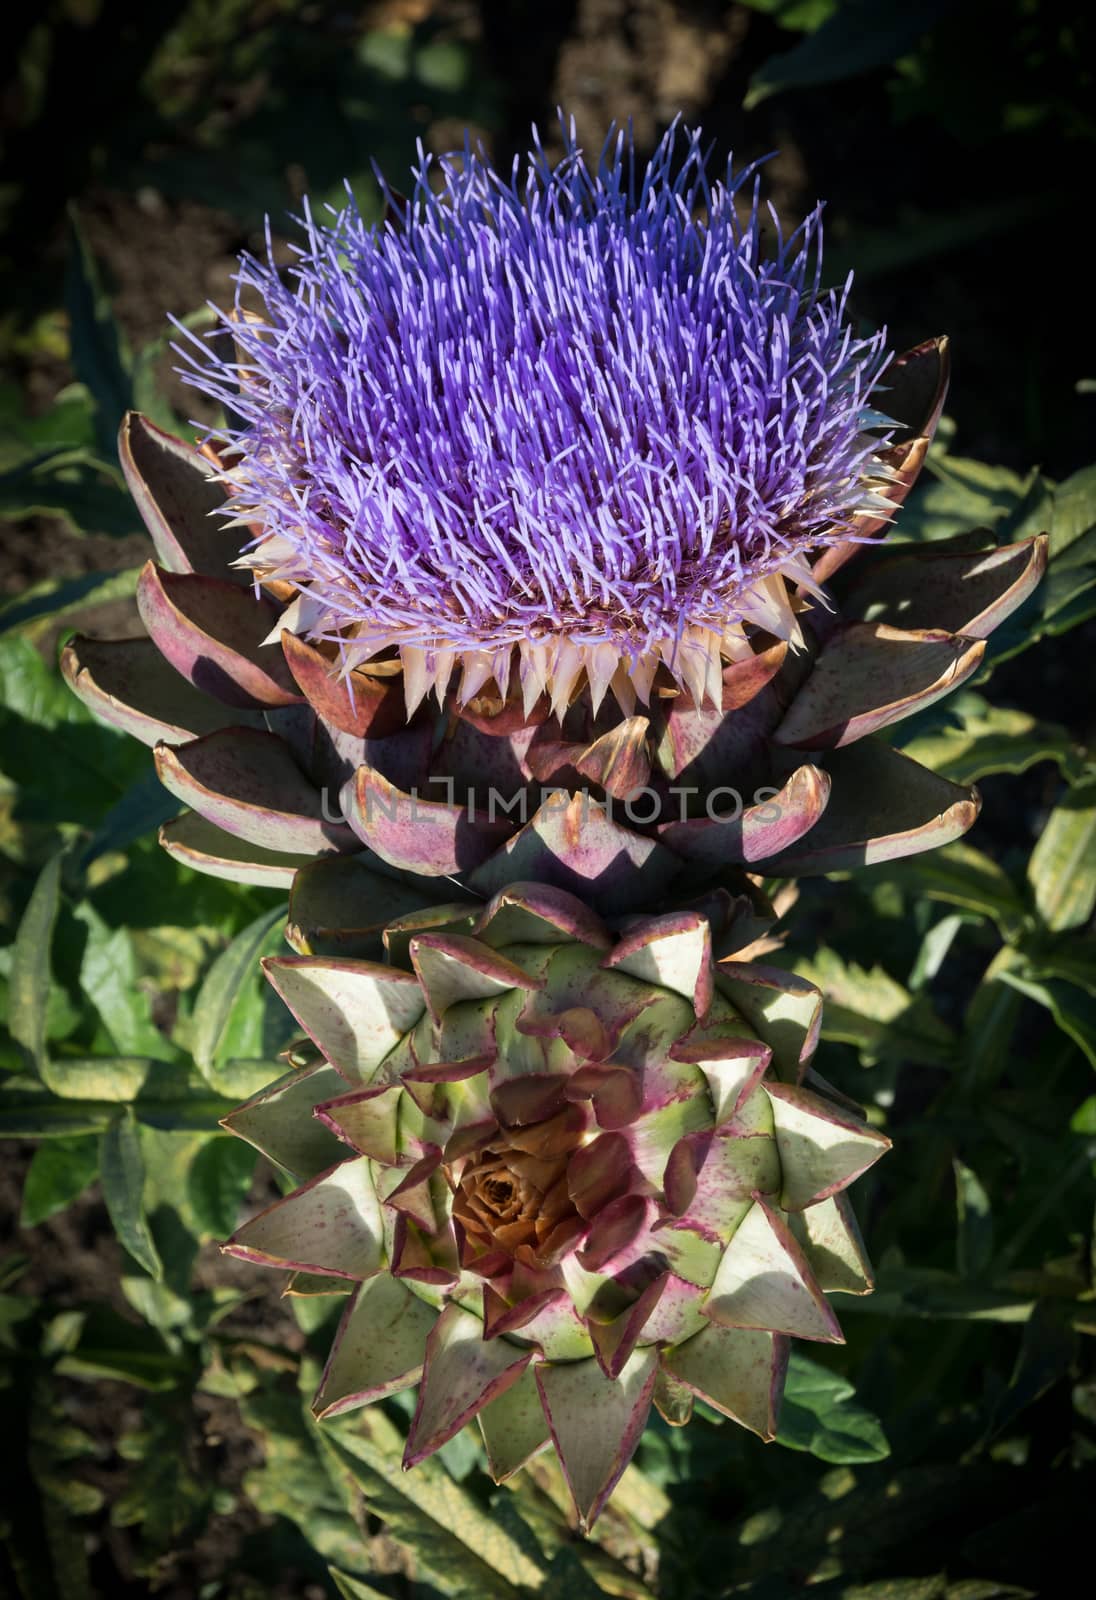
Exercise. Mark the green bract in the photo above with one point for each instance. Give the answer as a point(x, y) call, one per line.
point(569, 1171)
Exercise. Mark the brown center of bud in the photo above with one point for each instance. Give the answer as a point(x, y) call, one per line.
point(512, 1199)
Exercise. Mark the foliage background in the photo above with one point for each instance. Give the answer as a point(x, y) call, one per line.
point(155, 1388)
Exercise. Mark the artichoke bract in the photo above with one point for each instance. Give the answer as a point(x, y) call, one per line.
point(569, 1172)
point(284, 759)
point(518, 554)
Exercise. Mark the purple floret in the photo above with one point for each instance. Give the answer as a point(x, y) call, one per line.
point(593, 404)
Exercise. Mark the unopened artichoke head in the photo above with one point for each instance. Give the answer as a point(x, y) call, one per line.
point(568, 1172)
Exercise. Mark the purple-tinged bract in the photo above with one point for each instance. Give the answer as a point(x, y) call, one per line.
point(565, 1173)
point(577, 408)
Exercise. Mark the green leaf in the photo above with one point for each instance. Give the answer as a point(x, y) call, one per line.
point(467, 1555)
point(993, 740)
point(217, 1184)
point(1062, 869)
point(799, 15)
point(889, 1589)
point(122, 1170)
point(58, 598)
point(109, 978)
point(934, 949)
point(99, 358)
point(223, 983)
point(1083, 1119)
point(116, 1079)
point(108, 1345)
point(937, 1295)
point(956, 494)
point(859, 37)
point(1046, 1353)
point(960, 875)
point(874, 1012)
point(69, 421)
point(1074, 512)
point(29, 690)
point(353, 1588)
point(1073, 1010)
point(58, 1174)
point(974, 1231)
point(148, 397)
point(1071, 958)
point(30, 968)
point(989, 1023)
point(820, 1415)
point(68, 767)
point(299, 1482)
point(33, 1113)
point(167, 1498)
point(568, 1579)
point(141, 810)
point(76, 485)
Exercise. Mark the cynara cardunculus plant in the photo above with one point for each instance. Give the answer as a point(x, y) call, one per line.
point(514, 566)
point(568, 1173)
point(537, 489)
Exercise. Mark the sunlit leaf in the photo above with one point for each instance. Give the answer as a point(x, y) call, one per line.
point(820, 1414)
point(1062, 869)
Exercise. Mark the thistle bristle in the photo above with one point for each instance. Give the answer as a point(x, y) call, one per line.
point(582, 410)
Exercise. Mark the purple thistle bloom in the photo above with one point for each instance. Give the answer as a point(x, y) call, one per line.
point(581, 413)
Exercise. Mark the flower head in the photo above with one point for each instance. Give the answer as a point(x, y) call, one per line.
point(566, 1174)
point(581, 420)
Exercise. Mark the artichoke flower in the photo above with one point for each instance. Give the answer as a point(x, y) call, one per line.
point(517, 556)
point(568, 1171)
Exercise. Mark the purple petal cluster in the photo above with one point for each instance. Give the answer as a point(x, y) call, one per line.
point(593, 403)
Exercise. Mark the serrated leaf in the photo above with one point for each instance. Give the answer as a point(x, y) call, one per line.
point(820, 1415)
point(296, 1481)
point(167, 1497)
point(956, 494)
point(468, 1556)
point(122, 1173)
point(996, 739)
point(874, 1012)
point(1062, 869)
